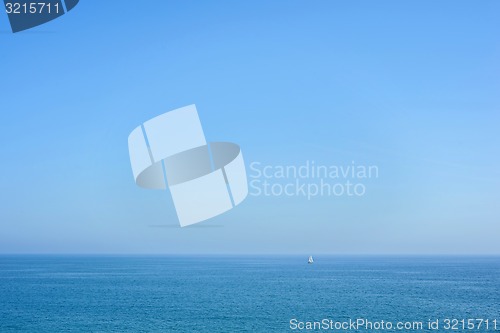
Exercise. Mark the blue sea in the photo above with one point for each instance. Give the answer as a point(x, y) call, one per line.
point(242, 293)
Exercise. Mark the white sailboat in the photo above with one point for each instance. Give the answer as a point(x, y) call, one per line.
point(310, 260)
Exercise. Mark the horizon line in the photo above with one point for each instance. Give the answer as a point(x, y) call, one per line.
point(255, 254)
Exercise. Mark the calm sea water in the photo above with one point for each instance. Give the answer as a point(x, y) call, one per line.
point(238, 294)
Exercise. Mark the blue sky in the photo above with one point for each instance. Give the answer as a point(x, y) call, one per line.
point(412, 87)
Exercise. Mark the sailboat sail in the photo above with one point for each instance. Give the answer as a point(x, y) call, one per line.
point(310, 260)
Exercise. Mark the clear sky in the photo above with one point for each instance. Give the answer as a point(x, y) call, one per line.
point(410, 86)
